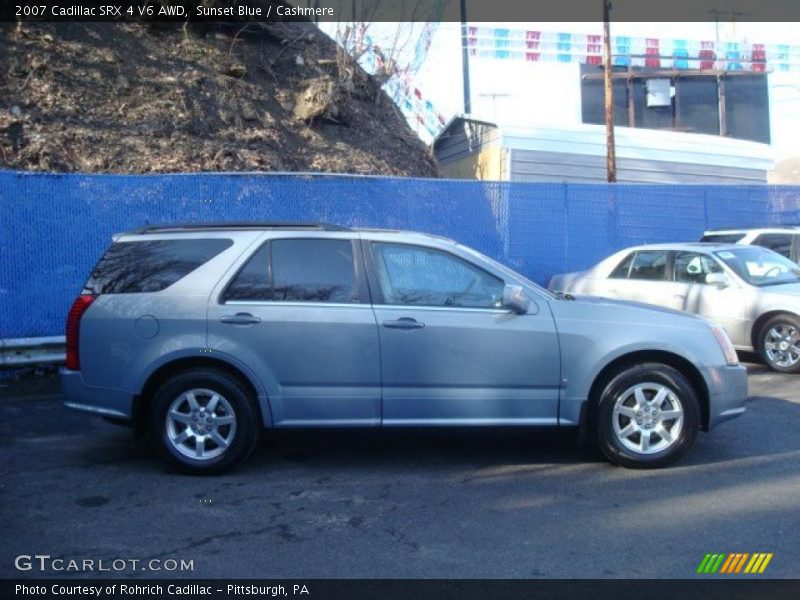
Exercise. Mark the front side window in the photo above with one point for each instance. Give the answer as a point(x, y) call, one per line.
point(645, 264)
point(298, 270)
point(692, 267)
point(419, 276)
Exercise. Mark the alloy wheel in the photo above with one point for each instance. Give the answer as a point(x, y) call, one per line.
point(782, 345)
point(201, 424)
point(648, 418)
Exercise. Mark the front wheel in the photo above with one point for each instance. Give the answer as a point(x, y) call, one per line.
point(779, 343)
point(203, 422)
point(648, 417)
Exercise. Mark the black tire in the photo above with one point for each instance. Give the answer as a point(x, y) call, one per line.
point(233, 397)
point(655, 376)
point(785, 320)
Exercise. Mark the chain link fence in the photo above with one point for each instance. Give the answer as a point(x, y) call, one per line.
point(54, 227)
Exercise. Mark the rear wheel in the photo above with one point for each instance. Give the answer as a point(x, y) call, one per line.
point(779, 343)
point(648, 417)
point(204, 422)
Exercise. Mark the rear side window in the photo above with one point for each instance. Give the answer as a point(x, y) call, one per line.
point(722, 238)
point(150, 266)
point(777, 242)
point(298, 270)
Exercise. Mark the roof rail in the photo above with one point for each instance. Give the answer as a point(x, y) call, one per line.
point(748, 227)
point(237, 225)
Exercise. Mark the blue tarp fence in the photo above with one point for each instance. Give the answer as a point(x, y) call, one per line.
point(54, 227)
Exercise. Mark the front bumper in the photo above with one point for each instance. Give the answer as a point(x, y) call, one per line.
point(727, 393)
point(105, 402)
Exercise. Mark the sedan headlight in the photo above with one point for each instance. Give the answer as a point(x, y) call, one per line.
point(725, 345)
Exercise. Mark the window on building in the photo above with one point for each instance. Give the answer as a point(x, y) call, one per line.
point(731, 104)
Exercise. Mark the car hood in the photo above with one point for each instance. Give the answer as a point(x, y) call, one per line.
point(610, 302)
point(786, 289)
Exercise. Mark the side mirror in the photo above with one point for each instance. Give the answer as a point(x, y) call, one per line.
point(514, 297)
point(718, 279)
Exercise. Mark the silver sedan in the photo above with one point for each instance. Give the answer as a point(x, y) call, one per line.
point(752, 292)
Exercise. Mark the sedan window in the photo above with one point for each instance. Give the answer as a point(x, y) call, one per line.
point(722, 238)
point(692, 267)
point(777, 242)
point(645, 264)
point(419, 276)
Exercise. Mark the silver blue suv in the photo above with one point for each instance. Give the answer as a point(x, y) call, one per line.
point(204, 335)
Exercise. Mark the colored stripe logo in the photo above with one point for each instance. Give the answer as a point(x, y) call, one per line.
point(736, 562)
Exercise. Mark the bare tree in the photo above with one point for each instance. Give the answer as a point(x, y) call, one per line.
point(366, 36)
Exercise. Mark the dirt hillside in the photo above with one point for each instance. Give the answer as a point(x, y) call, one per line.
point(137, 98)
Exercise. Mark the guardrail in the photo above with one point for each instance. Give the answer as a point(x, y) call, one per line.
point(28, 352)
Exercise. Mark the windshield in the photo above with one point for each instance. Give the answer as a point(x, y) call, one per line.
point(759, 266)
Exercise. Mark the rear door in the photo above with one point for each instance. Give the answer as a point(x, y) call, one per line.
point(297, 312)
point(450, 353)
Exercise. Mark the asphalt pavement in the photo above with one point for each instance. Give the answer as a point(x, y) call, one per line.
point(429, 504)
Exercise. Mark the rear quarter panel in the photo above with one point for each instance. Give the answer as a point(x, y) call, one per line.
point(124, 338)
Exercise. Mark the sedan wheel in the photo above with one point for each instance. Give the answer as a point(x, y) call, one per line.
point(780, 343)
point(648, 416)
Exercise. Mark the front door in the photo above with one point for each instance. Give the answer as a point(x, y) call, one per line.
point(450, 353)
point(724, 305)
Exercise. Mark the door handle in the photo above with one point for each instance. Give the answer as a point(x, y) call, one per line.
point(404, 323)
point(682, 296)
point(240, 319)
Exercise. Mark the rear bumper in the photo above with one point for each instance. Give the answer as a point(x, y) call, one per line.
point(104, 402)
point(727, 393)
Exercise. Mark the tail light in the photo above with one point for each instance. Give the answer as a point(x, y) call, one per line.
point(73, 329)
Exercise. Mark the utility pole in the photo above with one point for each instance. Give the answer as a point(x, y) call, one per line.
point(465, 57)
point(611, 152)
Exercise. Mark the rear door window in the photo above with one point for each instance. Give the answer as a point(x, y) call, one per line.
point(644, 264)
point(622, 270)
point(150, 266)
point(298, 270)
